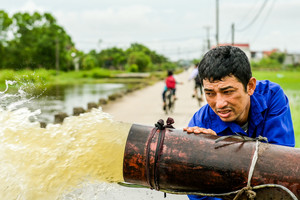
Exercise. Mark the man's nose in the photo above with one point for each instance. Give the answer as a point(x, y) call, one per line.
point(221, 102)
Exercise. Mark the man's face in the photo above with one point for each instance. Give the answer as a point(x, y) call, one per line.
point(228, 98)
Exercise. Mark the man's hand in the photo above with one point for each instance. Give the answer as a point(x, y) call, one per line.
point(198, 130)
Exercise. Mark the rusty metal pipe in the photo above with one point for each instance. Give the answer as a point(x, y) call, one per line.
point(195, 163)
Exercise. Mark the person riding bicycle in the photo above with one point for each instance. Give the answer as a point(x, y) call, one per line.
point(194, 75)
point(170, 85)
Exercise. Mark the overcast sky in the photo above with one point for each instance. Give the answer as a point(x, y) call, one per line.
point(176, 29)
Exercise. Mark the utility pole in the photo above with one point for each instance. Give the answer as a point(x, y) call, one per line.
point(207, 35)
point(232, 34)
point(99, 44)
point(203, 48)
point(217, 22)
point(57, 55)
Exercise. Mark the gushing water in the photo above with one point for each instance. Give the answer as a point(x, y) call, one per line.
point(45, 163)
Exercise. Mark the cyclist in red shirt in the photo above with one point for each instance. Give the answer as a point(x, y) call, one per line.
point(170, 84)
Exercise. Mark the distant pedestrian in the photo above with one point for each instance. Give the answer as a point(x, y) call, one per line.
point(198, 86)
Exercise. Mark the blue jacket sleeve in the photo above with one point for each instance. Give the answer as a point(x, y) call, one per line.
point(197, 197)
point(278, 125)
point(198, 118)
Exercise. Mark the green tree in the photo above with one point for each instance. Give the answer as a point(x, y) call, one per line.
point(278, 56)
point(38, 41)
point(89, 61)
point(169, 66)
point(140, 59)
point(117, 58)
point(132, 68)
point(5, 23)
point(155, 58)
point(112, 58)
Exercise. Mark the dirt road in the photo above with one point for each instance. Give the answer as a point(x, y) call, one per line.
point(145, 107)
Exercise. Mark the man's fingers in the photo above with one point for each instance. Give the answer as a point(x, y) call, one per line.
point(209, 131)
point(198, 130)
point(190, 129)
point(213, 132)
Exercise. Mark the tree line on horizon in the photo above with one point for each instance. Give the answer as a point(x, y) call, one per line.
point(34, 41)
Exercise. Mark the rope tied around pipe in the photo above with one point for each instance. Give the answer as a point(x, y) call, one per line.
point(248, 189)
point(159, 129)
point(243, 138)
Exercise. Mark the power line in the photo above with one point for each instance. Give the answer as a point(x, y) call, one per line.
point(217, 22)
point(228, 35)
point(264, 21)
point(172, 39)
point(208, 36)
point(246, 16)
point(182, 50)
point(145, 41)
point(173, 50)
point(255, 17)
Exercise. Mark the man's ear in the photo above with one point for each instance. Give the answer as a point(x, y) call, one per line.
point(251, 86)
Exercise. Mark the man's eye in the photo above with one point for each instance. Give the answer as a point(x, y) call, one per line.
point(228, 92)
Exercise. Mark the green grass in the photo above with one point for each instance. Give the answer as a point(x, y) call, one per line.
point(290, 82)
point(296, 116)
point(286, 79)
point(39, 80)
point(42, 78)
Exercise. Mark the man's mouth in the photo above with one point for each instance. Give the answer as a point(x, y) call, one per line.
point(224, 113)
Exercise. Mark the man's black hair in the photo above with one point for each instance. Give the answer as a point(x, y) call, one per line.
point(170, 73)
point(225, 61)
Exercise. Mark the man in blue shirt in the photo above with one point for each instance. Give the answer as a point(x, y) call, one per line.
point(238, 103)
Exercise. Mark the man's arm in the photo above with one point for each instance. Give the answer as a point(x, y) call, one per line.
point(278, 126)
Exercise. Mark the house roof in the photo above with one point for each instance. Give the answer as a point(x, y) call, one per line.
point(243, 45)
point(268, 53)
point(236, 44)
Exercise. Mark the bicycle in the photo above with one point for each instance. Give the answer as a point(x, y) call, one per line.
point(170, 101)
point(199, 95)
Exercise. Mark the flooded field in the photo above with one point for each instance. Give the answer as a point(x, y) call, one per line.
point(65, 98)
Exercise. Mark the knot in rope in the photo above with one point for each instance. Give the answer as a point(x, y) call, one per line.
point(262, 139)
point(248, 191)
point(160, 124)
point(170, 121)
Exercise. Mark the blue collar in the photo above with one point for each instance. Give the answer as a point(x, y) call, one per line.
point(257, 106)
